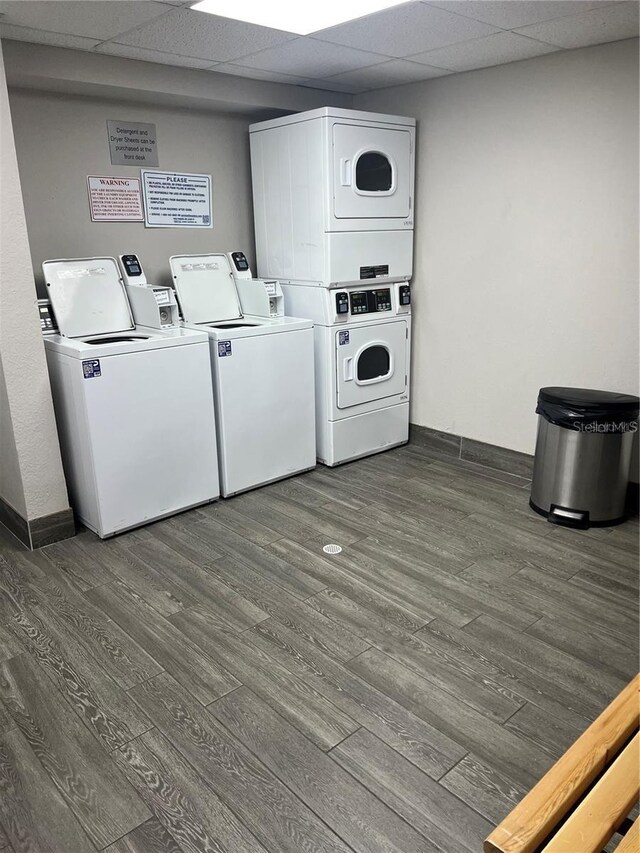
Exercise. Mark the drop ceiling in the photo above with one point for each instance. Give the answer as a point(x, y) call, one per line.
point(405, 44)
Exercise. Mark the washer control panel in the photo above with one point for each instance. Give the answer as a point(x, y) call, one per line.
point(47, 320)
point(370, 301)
point(342, 302)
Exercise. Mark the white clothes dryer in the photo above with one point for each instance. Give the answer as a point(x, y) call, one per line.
point(133, 404)
point(333, 196)
point(362, 348)
point(263, 377)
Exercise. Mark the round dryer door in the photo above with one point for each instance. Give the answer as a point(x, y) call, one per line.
point(371, 363)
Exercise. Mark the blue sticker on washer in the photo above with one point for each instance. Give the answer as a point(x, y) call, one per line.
point(91, 368)
point(343, 338)
point(224, 348)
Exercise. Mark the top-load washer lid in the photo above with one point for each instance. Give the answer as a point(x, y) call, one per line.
point(206, 288)
point(88, 296)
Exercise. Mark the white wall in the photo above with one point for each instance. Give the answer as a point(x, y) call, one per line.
point(61, 140)
point(31, 478)
point(526, 262)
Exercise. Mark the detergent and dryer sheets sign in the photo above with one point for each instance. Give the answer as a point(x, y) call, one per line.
point(114, 199)
point(176, 200)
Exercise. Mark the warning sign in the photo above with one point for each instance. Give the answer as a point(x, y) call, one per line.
point(114, 199)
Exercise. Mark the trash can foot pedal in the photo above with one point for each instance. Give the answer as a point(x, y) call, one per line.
point(569, 517)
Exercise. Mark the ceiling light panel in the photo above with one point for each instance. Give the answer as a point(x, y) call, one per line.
point(302, 18)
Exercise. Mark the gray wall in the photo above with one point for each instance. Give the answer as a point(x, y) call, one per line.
point(526, 242)
point(31, 478)
point(60, 140)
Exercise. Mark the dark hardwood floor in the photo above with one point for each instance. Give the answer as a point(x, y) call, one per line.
point(215, 682)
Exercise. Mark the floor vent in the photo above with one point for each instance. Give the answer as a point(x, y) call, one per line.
point(332, 549)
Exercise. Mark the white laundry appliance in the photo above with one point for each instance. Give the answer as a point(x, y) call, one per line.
point(138, 440)
point(263, 377)
point(333, 208)
point(333, 196)
point(362, 359)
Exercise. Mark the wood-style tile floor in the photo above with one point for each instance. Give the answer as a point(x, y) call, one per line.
point(215, 682)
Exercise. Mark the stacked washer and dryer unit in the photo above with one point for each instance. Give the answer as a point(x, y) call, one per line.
point(333, 206)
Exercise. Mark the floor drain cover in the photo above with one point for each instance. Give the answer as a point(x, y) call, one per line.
point(332, 549)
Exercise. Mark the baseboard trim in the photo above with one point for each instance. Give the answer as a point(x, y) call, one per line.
point(15, 523)
point(491, 456)
point(39, 531)
point(470, 450)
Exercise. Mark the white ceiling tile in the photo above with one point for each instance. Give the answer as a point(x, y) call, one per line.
point(8, 31)
point(331, 85)
point(142, 53)
point(403, 30)
point(257, 74)
point(509, 14)
point(481, 53)
point(307, 57)
point(609, 23)
point(392, 73)
point(204, 36)
point(81, 18)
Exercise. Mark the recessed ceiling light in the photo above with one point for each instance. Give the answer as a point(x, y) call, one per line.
point(301, 17)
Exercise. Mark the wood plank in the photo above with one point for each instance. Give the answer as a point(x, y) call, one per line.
point(151, 837)
point(447, 823)
point(483, 788)
point(473, 732)
point(486, 696)
point(105, 708)
point(495, 662)
point(33, 813)
point(196, 671)
point(331, 574)
point(423, 744)
point(113, 650)
point(69, 557)
point(94, 789)
point(320, 521)
point(320, 720)
point(581, 678)
point(353, 812)
point(151, 586)
point(181, 800)
point(383, 573)
point(604, 808)
point(297, 583)
point(200, 584)
point(329, 636)
point(229, 513)
point(269, 810)
point(177, 536)
point(583, 640)
point(10, 646)
point(6, 720)
point(551, 733)
point(536, 815)
point(451, 590)
point(631, 841)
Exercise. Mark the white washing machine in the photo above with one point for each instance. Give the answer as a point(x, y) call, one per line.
point(263, 377)
point(362, 358)
point(333, 196)
point(133, 404)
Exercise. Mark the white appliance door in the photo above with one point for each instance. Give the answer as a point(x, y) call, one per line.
point(265, 398)
point(371, 172)
point(152, 430)
point(371, 363)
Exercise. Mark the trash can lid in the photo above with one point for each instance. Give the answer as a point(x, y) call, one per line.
point(575, 408)
point(593, 401)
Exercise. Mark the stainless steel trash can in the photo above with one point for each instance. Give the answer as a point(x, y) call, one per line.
point(583, 453)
